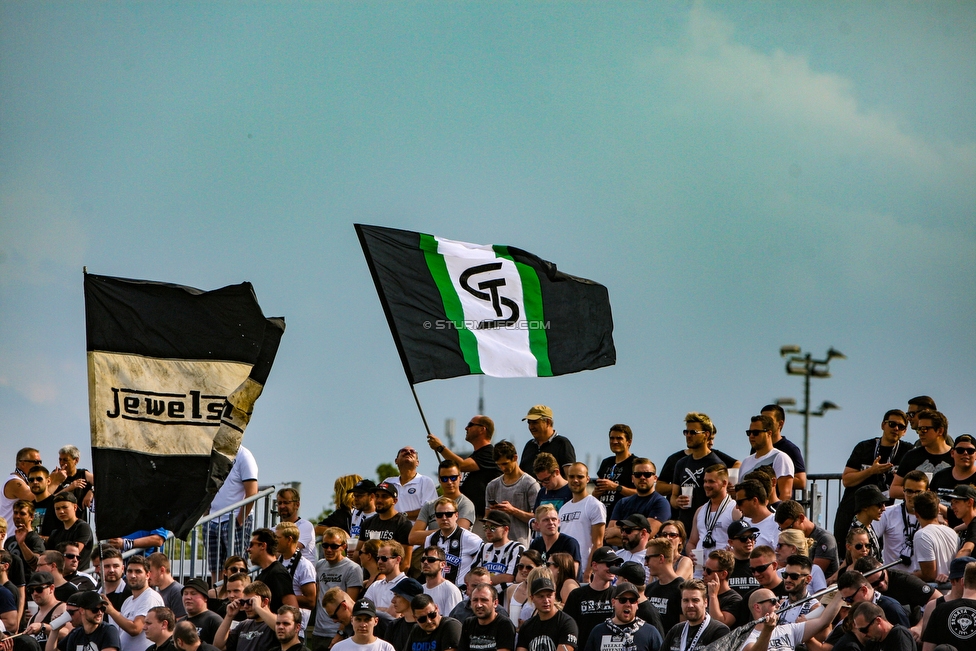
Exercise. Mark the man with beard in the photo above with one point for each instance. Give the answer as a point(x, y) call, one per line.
point(206, 622)
point(72, 558)
point(460, 546)
point(550, 628)
point(41, 586)
point(94, 633)
point(131, 618)
point(434, 632)
point(160, 622)
point(334, 570)
point(113, 584)
point(388, 524)
point(646, 501)
point(289, 502)
point(591, 604)
point(932, 453)
point(875, 632)
point(699, 628)
point(480, 467)
point(288, 627)
point(450, 480)
point(444, 593)
point(796, 578)
point(742, 540)
point(499, 555)
point(487, 630)
point(614, 476)
point(635, 531)
point(624, 629)
point(872, 461)
point(711, 523)
point(689, 471)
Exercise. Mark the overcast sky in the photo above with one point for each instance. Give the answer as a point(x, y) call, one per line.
point(739, 175)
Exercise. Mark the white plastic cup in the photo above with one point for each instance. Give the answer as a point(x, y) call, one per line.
point(351, 543)
point(687, 491)
point(32, 607)
point(699, 555)
point(733, 476)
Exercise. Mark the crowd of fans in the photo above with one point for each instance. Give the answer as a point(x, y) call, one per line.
point(528, 551)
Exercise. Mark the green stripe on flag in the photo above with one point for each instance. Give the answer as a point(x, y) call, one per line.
point(452, 304)
point(532, 299)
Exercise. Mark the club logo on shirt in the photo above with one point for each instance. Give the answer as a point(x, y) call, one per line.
point(411, 491)
point(962, 622)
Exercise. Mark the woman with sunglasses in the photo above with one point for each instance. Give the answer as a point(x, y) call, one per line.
point(517, 594)
point(792, 541)
point(858, 546)
point(233, 565)
point(562, 566)
point(674, 531)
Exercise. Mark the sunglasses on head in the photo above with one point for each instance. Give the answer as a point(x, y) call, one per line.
point(643, 475)
point(423, 619)
point(759, 569)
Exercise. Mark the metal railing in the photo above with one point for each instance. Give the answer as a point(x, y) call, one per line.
point(822, 495)
point(190, 558)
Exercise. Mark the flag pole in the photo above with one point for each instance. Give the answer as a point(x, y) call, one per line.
point(423, 418)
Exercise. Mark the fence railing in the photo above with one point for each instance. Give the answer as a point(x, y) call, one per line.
point(822, 495)
point(190, 558)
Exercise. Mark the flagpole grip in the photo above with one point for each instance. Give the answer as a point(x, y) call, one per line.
point(423, 418)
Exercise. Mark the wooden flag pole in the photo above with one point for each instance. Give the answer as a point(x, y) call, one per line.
point(424, 418)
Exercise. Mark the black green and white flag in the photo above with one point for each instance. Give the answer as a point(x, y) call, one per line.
point(173, 374)
point(459, 309)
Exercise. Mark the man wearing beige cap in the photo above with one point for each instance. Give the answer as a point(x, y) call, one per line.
point(545, 439)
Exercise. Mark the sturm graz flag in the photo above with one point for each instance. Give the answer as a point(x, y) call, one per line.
point(173, 373)
point(459, 309)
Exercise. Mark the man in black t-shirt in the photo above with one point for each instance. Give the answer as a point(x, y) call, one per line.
point(545, 439)
point(876, 632)
point(694, 629)
point(206, 622)
point(962, 473)
point(665, 595)
point(71, 529)
point(93, 634)
point(615, 474)
point(612, 634)
point(388, 523)
point(262, 552)
point(591, 604)
point(742, 540)
point(550, 628)
point(930, 455)
point(487, 630)
point(434, 631)
point(480, 467)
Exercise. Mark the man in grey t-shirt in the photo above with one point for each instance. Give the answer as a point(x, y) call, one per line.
point(334, 570)
point(513, 493)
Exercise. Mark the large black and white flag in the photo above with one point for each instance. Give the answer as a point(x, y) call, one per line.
point(173, 373)
point(459, 309)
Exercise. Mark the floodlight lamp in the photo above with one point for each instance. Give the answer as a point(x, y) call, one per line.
point(833, 353)
point(786, 402)
point(827, 405)
point(789, 350)
point(819, 372)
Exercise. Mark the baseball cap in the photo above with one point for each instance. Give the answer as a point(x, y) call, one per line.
point(740, 528)
point(537, 412)
point(631, 572)
point(364, 606)
point(363, 486)
point(968, 438)
point(606, 555)
point(625, 588)
point(407, 588)
point(387, 487)
point(198, 585)
point(498, 517)
point(87, 599)
point(635, 520)
point(963, 492)
point(957, 566)
point(542, 584)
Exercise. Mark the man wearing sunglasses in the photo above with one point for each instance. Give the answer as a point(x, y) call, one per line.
point(797, 575)
point(94, 632)
point(699, 627)
point(433, 630)
point(751, 500)
point(499, 555)
point(665, 595)
point(334, 570)
point(917, 405)
point(41, 589)
point(931, 454)
point(610, 634)
point(449, 476)
point(554, 487)
point(40, 487)
point(875, 632)
point(647, 502)
point(962, 473)
point(723, 601)
point(760, 435)
point(460, 546)
point(389, 560)
point(763, 604)
point(444, 593)
point(16, 487)
point(479, 468)
point(853, 587)
point(872, 461)
point(742, 540)
point(762, 564)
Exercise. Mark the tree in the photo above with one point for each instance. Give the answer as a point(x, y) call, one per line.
point(385, 470)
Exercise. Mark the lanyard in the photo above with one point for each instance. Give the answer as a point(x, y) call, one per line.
point(709, 526)
point(694, 642)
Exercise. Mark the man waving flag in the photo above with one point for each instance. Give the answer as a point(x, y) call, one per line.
point(456, 308)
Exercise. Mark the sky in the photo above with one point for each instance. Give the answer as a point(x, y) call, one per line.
point(740, 176)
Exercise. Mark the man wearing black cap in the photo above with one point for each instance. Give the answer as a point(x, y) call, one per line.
point(388, 524)
point(591, 604)
point(869, 504)
point(742, 540)
point(962, 473)
point(206, 622)
point(963, 506)
point(398, 631)
point(434, 632)
point(72, 529)
point(699, 628)
point(635, 573)
point(499, 555)
point(60, 627)
point(624, 629)
point(635, 531)
point(550, 628)
point(93, 633)
point(41, 586)
point(487, 630)
point(363, 507)
point(364, 620)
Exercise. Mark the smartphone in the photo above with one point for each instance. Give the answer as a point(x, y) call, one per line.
point(492, 502)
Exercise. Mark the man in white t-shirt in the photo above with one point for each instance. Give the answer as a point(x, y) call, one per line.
point(784, 637)
point(761, 438)
point(131, 618)
point(415, 489)
point(364, 619)
point(444, 593)
point(241, 483)
point(751, 500)
point(935, 544)
point(289, 502)
point(584, 517)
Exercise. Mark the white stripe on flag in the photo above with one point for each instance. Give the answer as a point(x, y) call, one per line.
point(503, 352)
point(158, 406)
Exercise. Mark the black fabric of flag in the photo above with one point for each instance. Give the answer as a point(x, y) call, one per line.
point(173, 373)
point(456, 308)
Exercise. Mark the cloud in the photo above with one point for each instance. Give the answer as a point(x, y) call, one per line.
point(40, 234)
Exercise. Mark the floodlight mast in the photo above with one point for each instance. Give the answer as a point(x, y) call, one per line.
point(800, 363)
